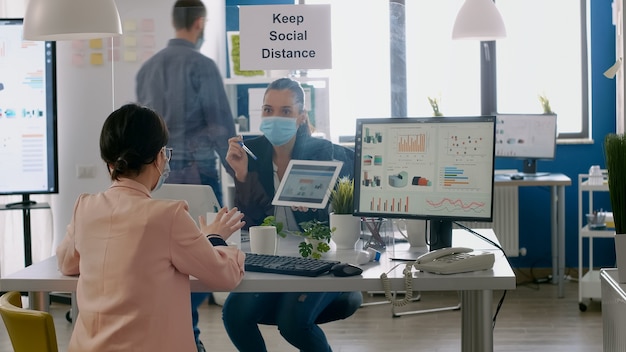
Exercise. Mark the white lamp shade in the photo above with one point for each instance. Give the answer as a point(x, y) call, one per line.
point(478, 20)
point(71, 19)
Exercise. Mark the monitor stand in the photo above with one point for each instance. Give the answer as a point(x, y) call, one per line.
point(530, 169)
point(440, 234)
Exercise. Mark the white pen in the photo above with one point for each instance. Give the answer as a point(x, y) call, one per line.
point(247, 149)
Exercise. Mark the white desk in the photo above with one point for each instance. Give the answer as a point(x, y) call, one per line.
point(557, 183)
point(476, 287)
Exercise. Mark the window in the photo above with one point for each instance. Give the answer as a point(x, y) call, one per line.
point(540, 56)
point(359, 80)
point(437, 66)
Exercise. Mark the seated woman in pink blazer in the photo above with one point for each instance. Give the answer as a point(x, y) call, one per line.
point(134, 254)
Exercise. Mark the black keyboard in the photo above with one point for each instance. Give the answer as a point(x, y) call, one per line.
point(281, 264)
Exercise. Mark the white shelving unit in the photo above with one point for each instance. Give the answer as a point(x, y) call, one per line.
point(589, 286)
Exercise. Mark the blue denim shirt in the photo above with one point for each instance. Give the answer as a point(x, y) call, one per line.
point(186, 88)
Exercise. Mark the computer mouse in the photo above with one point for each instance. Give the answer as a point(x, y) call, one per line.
point(345, 269)
point(517, 177)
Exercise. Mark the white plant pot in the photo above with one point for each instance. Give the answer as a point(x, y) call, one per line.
point(347, 230)
point(620, 257)
point(315, 243)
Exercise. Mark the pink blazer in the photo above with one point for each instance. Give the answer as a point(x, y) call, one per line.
point(134, 255)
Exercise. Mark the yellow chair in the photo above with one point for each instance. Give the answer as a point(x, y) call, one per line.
point(29, 330)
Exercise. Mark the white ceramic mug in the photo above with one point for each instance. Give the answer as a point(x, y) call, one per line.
point(234, 239)
point(414, 231)
point(263, 239)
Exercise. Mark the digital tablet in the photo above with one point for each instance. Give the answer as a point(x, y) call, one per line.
point(307, 183)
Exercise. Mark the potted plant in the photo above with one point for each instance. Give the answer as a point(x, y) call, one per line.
point(271, 221)
point(615, 152)
point(545, 105)
point(434, 104)
point(347, 227)
point(316, 238)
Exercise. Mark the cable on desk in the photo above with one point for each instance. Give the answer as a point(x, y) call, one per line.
point(493, 321)
point(408, 286)
point(481, 237)
point(495, 315)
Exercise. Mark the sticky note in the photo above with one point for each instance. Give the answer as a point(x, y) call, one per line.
point(130, 56)
point(78, 59)
point(148, 41)
point(130, 26)
point(95, 44)
point(96, 59)
point(78, 44)
point(114, 55)
point(147, 25)
point(130, 41)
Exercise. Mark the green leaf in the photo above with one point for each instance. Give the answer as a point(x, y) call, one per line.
point(323, 247)
point(615, 151)
point(305, 249)
point(271, 221)
point(342, 196)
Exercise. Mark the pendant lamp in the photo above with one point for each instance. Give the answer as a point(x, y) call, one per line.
point(479, 20)
point(71, 19)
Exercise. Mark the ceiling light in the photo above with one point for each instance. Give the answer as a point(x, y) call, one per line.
point(478, 20)
point(71, 19)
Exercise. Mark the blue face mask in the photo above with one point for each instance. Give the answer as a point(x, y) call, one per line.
point(164, 175)
point(200, 40)
point(278, 130)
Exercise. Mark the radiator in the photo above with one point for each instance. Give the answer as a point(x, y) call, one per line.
point(613, 312)
point(505, 219)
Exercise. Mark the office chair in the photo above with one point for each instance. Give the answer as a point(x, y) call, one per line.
point(29, 330)
point(341, 308)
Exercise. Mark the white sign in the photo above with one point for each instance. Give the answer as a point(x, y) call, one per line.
point(280, 37)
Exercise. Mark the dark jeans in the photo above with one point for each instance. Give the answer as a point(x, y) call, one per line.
point(293, 312)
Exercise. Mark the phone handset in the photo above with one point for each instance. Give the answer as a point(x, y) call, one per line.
point(439, 253)
point(454, 260)
point(448, 260)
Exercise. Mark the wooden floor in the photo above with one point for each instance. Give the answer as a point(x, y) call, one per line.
point(532, 318)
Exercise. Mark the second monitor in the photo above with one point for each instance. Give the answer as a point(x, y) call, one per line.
point(529, 137)
point(440, 169)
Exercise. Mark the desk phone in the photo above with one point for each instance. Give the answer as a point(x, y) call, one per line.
point(454, 260)
point(450, 260)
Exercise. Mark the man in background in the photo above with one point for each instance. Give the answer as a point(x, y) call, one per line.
point(186, 89)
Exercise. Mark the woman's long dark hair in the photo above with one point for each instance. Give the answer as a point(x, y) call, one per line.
point(131, 137)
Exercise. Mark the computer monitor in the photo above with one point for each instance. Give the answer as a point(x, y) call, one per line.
point(439, 169)
point(200, 198)
point(529, 137)
point(28, 114)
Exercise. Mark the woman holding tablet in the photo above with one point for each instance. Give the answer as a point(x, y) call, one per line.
point(286, 136)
